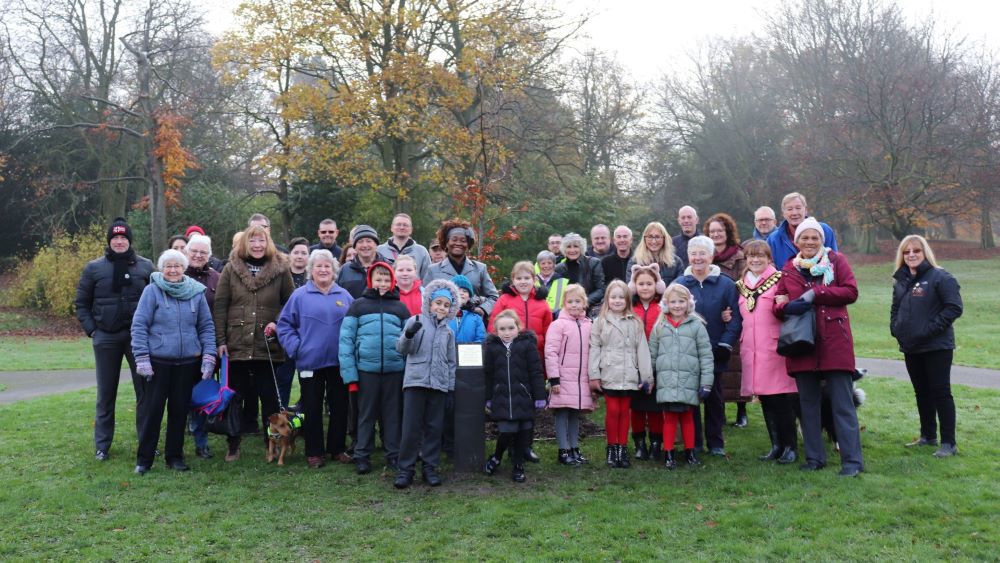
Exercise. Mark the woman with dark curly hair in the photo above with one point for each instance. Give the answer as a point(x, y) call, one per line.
point(457, 238)
point(729, 257)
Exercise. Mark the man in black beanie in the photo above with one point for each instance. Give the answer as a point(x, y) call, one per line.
point(106, 298)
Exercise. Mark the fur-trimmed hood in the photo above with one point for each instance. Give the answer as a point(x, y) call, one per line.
point(272, 269)
point(435, 285)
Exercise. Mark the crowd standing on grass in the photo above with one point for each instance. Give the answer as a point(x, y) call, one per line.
point(666, 331)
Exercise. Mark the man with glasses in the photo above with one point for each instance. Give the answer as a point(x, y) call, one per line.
point(764, 222)
point(615, 263)
point(328, 238)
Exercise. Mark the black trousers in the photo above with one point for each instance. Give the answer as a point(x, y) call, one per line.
point(253, 380)
point(423, 422)
point(715, 419)
point(326, 384)
point(171, 388)
point(780, 409)
point(379, 398)
point(109, 349)
point(930, 374)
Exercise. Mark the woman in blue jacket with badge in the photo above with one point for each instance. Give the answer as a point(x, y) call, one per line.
point(925, 304)
point(309, 332)
point(173, 338)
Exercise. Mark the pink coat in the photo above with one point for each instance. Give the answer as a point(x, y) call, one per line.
point(567, 356)
point(764, 370)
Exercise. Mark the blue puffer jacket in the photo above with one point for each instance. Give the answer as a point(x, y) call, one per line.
point(309, 326)
point(783, 249)
point(468, 328)
point(711, 297)
point(369, 332)
point(168, 329)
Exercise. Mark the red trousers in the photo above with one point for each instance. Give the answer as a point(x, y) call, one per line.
point(686, 419)
point(640, 418)
point(616, 419)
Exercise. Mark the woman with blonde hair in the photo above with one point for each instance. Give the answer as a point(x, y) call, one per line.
point(253, 287)
point(925, 304)
point(656, 247)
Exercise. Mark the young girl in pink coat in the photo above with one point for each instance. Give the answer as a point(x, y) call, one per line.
point(764, 371)
point(567, 357)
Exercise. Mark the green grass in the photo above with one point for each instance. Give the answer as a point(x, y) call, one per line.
point(21, 353)
point(975, 332)
point(57, 503)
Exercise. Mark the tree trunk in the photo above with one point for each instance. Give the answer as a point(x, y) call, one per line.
point(949, 227)
point(867, 240)
point(986, 239)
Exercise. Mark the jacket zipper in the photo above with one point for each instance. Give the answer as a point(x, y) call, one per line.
point(381, 336)
point(510, 387)
point(579, 371)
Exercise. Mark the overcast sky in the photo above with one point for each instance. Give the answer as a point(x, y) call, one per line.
point(652, 36)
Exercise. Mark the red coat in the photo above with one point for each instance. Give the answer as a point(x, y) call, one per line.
point(834, 342)
point(413, 299)
point(534, 313)
point(647, 316)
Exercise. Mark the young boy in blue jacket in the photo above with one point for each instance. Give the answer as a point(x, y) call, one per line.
point(369, 361)
point(431, 360)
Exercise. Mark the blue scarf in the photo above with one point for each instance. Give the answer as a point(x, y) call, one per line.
point(183, 290)
point(818, 265)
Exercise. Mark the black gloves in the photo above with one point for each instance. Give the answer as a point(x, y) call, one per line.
point(704, 392)
point(797, 307)
point(414, 328)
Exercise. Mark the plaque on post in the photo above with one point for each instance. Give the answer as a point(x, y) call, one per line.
point(470, 417)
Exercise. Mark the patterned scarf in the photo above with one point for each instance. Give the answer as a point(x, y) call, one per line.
point(182, 290)
point(818, 265)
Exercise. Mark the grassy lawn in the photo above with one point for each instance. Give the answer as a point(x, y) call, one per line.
point(975, 332)
point(57, 503)
point(22, 353)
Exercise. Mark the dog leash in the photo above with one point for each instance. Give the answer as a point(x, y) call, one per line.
point(274, 377)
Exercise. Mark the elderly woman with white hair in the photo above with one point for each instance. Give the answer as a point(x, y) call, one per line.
point(309, 331)
point(581, 269)
point(173, 340)
point(819, 278)
point(713, 293)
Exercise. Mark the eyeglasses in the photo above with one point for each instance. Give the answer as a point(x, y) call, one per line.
point(653, 237)
point(328, 232)
point(764, 220)
point(913, 251)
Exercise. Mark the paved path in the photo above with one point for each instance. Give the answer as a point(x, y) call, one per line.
point(21, 385)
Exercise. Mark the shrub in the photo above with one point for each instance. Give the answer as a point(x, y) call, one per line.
point(48, 281)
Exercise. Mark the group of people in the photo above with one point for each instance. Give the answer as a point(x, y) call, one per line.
point(657, 329)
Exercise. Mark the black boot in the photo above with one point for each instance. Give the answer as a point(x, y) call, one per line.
point(691, 458)
point(531, 456)
point(517, 474)
point(623, 460)
point(612, 456)
point(492, 464)
point(655, 447)
point(566, 457)
point(668, 460)
point(772, 431)
point(403, 479)
point(788, 455)
point(578, 456)
point(639, 438)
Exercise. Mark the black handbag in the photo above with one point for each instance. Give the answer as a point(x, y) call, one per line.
point(798, 335)
point(230, 421)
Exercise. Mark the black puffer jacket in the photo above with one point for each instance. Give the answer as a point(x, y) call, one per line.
point(590, 276)
point(924, 307)
point(98, 306)
point(513, 381)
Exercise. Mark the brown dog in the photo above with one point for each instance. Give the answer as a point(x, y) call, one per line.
point(281, 433)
